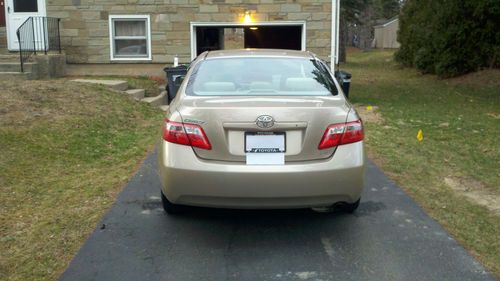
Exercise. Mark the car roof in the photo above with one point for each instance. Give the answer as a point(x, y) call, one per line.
point(258, 53)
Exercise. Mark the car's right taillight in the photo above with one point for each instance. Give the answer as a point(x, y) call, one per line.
point(186, 134)
point(343, 133)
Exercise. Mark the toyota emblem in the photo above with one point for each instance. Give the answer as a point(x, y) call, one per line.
point(265, 121)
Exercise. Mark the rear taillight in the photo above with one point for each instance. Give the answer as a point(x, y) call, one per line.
point(344, 133)
point(186, 134)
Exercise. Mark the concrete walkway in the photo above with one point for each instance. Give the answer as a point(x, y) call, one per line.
point(388, 238)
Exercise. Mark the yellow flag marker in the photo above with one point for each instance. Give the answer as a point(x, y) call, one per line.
point(369, 108)
point(420, 135)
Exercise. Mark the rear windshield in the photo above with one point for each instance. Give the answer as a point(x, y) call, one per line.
point(261, 77)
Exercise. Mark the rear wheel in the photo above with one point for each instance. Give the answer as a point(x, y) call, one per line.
point(169, 207)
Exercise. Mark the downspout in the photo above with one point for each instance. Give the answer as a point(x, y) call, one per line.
point(337, 46)
point(334, 52)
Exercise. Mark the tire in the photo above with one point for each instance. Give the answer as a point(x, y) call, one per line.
point(169, 207)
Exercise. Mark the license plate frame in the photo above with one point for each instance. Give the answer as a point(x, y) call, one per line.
point(265, 150)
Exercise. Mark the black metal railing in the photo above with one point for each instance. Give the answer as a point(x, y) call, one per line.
point(36, 35)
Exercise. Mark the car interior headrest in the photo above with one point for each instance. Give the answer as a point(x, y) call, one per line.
point(258, 85)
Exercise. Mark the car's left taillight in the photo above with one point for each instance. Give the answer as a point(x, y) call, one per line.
point(343, 133)
point(186, 134)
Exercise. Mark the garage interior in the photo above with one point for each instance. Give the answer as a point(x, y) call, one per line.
point(209, 38)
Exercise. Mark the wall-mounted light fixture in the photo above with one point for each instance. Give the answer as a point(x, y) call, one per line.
point(247, 18)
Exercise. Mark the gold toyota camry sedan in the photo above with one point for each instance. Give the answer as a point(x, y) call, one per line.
point(259, 129)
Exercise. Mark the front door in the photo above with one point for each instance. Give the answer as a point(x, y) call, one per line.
point(17, 12)
point(2, 13)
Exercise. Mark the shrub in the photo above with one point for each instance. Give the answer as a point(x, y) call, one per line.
point(449, 37)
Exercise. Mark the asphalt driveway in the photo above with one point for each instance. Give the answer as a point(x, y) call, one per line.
point(388, 238)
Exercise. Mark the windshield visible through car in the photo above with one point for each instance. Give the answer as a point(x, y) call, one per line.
point(261, 77)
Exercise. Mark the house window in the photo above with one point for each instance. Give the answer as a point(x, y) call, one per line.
point(25, 6)
point(130, 37)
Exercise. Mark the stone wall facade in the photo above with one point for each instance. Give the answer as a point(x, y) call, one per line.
point(85, 23)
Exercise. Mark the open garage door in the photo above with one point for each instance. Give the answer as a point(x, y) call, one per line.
point(223, 36)
point(274, 37)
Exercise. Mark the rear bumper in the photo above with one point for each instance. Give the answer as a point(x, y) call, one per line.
point(188, 180)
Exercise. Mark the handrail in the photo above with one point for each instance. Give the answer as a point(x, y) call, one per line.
point(38, 34)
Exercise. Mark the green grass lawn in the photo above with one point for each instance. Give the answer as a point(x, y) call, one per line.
point(454, 173)
point(66, 150)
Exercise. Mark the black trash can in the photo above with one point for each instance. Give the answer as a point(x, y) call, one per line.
point(175, 75)
point(344, 79)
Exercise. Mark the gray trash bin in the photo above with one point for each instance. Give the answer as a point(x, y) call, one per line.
point(175, 75)
point(344, 79)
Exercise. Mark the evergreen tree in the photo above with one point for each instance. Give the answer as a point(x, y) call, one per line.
point(449, 38)
point(387, 8)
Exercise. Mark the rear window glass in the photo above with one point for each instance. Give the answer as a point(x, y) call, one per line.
point(261, 77)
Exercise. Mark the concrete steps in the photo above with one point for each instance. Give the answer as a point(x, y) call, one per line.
point(159, 100)
point(112, 84)
point(137, 94)
point(10, 68)
point(39, 66)
point(10, 58)
point(15, 76)
point(15, 66)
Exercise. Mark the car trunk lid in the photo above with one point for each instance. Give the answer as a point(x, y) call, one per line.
point(225, 121)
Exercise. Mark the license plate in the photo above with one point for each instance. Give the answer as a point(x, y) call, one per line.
point(265, 148)
point(265, 142)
